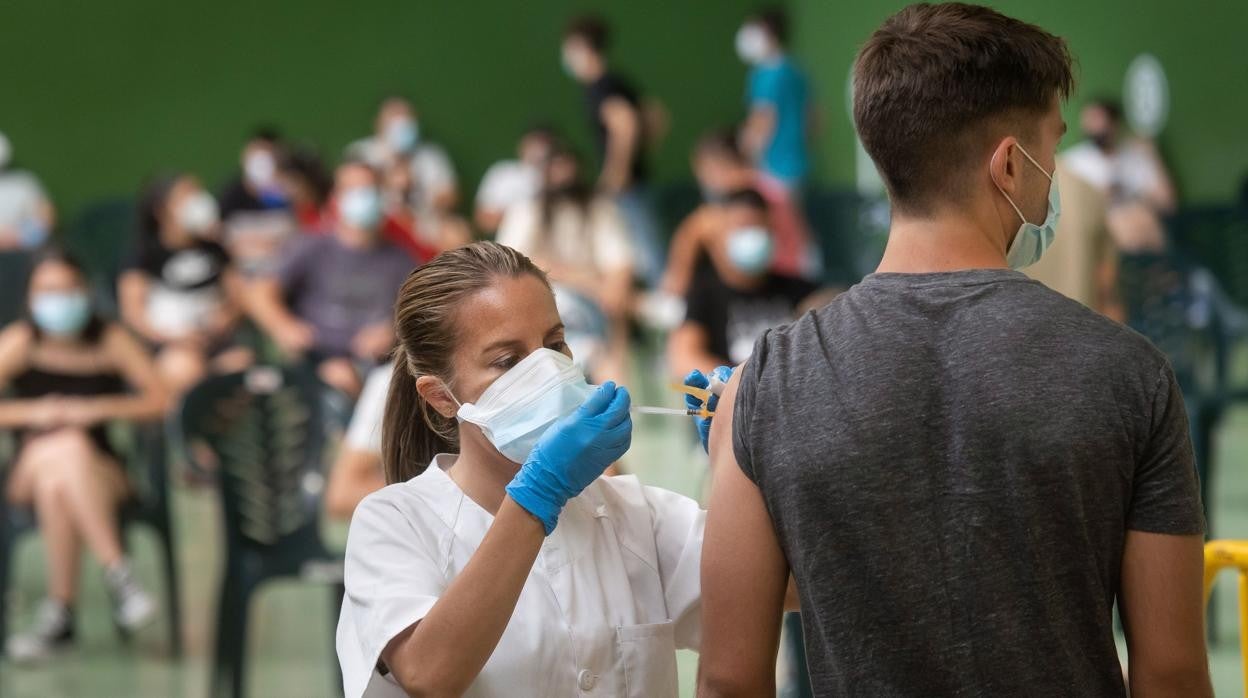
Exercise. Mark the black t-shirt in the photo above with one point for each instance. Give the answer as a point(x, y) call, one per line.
point(191, 268)
point(734, 318)
point(235, 197)
point(599, 91)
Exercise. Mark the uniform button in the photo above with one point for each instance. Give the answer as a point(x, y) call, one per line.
point(586, 680)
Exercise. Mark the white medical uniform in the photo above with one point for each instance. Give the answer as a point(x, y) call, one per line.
point(613, 593)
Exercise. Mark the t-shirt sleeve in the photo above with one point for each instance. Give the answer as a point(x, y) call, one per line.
point(743, 409)
point(518, 229)
point(364, 432)
point(764, 88)
point(1165, 496)
point(433, 168)
point(498, 187)
point(679, 525)
point(392, 580)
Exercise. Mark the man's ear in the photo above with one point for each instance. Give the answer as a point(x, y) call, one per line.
point(434, 391)
point(1001, 166)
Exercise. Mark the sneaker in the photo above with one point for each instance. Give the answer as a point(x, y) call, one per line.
point(132, 606)
point(52, 630)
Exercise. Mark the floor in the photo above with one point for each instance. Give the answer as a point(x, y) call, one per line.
point(290, 640)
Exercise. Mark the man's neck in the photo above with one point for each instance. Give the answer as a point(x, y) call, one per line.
point(355, 238)
point(941, 244)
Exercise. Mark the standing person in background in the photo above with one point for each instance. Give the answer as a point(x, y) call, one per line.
point(1129, 172)
point(26, 213)
point(331, 300)
point(179, 290)
point(964, 471)
point(510, 182)
point(776, 127)
point(580, 239)
point(617, 124)
point(70, 373)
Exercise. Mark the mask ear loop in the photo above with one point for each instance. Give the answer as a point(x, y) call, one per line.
point(1007, 196)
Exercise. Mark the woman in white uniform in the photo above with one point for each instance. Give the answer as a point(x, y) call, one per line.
point(508, 567)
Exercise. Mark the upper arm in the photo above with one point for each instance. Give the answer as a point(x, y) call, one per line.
point(134, 362)
point(1162, 607)
point(686, 345)
point(744, 572)
point(132, 290)
point(621, 118)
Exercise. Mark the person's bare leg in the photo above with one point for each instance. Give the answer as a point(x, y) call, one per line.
point(92, 485)
point(341, 375)
point(60, 539)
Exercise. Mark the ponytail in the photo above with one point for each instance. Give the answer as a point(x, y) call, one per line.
point(412, 432)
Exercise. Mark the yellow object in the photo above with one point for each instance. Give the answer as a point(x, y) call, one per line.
point(1220, 554)
point(700, 393)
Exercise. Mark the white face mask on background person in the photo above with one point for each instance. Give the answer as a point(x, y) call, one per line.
point(750, 249)
point(402, 134)
point(61, 314)
point(1032, 241)
point(752, 44)
point(360, 207)
point(520, 405)
point(260, 169)
point(198, 213)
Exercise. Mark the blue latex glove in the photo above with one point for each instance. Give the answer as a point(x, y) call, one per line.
point(698, 379)
point(573, 453)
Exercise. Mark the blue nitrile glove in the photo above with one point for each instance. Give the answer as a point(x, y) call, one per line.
point(697, 379)
point(573, 453)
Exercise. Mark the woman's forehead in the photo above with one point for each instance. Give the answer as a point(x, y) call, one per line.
point(509, 308)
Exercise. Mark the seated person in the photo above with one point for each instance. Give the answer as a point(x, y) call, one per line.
point(307, 185)
point(68, 372)
point(331, 299)
point(721, 169)
point(422, 232)
point(509, 182)
point(255, 207)
point(357, 471)
point(179, 290)
point(736, 297)
point(26, 214)
point(397, 139)
point(579, 239)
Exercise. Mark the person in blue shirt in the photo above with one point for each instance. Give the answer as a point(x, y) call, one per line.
point(775, 129)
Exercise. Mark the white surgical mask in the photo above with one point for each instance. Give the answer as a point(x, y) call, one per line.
point(402, 134)
point(520, 405)
point(752, 44)
point(61, 313)
point(260, 169)
point(198, 213)
point(360, 207)
point(1031, 241)
point(750, 249)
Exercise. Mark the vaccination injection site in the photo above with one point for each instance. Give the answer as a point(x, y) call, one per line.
point(624, 348)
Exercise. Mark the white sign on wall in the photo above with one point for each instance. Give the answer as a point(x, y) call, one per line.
point(1146, 95)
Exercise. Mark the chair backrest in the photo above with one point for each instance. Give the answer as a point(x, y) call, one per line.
point(14, 273)
point(851, 231)
point(266, 428)
point(1163, 305)
point(1216, 237)
point(101, 236)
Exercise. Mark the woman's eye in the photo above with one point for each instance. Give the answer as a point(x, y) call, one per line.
point(558, 345)
point(505, 362)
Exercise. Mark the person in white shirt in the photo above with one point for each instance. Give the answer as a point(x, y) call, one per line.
point(1128, 171)
point(511, 182)
point(498, 562)
point(26, 214)
point(582, 240)
point(397, 140)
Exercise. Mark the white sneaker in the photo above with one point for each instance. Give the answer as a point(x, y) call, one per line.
point(52, 630)
point(132, 606)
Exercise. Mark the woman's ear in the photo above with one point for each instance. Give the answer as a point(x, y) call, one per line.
point(433, 391)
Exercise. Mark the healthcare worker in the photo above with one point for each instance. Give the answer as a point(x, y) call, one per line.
point(498, 562)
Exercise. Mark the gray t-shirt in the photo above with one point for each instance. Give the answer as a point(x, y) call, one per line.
point(951, 462)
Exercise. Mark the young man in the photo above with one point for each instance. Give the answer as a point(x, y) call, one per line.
point(963, 470)
point(735, 295)
point(775, 131)
point(615, 119)
point(332, 298)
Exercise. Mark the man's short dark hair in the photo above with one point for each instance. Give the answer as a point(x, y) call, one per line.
point(720, 142)
point(776, 21)
point(749, 198)
point(592, 29)
point(933, 83)
point(1109, 105)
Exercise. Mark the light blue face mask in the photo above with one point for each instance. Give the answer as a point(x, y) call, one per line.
point(61, 313)
point(361, 207)
point(520, 405)
point(402, 135)
point(750, 249)
point(1031, 241)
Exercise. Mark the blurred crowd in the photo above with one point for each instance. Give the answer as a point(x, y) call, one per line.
point(299, 259)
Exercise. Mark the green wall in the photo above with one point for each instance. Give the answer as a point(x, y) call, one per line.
point(1201, 45)
point(96, 95)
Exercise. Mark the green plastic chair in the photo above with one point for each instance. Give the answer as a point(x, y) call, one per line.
point(266, 432)
point(143, 453)
point(851, 231)
point(14, 272)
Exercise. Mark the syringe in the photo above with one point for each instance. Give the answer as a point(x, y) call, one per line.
point(716, 387)
point(671, 411)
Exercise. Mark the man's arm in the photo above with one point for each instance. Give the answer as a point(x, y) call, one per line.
point(1163, 614)
point(687, 350)
point(744, 576)
point(623, 130)
point(758, 129)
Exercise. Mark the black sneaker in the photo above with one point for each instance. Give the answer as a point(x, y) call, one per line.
point(52, 630)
